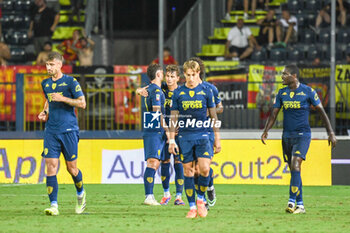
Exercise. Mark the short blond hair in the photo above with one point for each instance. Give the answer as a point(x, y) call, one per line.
point(191, 65)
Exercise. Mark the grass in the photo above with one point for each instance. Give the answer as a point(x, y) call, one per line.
point(118, 208)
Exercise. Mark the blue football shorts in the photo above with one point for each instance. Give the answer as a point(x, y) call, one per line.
point(67, 143)
point(153, 145)
point(191, 150)
point(296, 146)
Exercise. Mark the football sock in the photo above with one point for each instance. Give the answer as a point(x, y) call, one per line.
point(202, 186)
point(179, 178)
point(165, 175)
point(189, 190)
point(78, 182)
point(196, 183)
point(52, 189)
point(294, 185)
point(300, 194)
point(211, 178)
point(148, 179)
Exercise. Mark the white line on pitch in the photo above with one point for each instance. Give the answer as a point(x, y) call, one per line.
point(340, 161)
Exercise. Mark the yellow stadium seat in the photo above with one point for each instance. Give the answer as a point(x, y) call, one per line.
point(212, 50)
point(65, 2)
point(62, 33)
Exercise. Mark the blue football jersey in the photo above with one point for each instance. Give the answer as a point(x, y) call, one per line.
point(192, 105)
point(296, 109)
point(214, 90)
point(61, 116)
point(155, 98)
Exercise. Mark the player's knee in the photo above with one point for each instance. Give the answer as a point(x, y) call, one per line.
point(166, 161)
point(204, 171)
point(72, 170)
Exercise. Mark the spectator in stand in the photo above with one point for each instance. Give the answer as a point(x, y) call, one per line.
point(167, 58)
point(287, 29)
point(5, 54)
point(348, 58)
point(66, 47)
point(267, 29)
point(316, 61)
point(44, 55)
point(240, 42)
point(323, 18)
point(86, 51)
point(263, 4)
point(43, 24)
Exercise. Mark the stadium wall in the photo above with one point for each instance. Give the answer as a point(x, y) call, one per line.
point(245, 161)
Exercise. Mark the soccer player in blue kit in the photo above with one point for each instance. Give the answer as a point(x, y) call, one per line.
point(219, 109)
point(63, 93)
point(154, 139)
point(296, 99)
point(190, 104)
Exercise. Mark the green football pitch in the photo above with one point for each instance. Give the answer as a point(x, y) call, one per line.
point(118, 208)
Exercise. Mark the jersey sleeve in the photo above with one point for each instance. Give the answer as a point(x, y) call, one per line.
point(278, 101)
point(155, 97)
point(313, 97)
point(174, 101)
point(210, 99)
point(216, 95)
point(76, 89)
point(43, 87)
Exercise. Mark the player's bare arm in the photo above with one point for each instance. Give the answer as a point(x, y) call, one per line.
point(78, 103)
point(43, 115)
point(142, 91)
point(331, 135)
point(270, 122)
point(219, 108)
point(217, 143)
point(173, 148)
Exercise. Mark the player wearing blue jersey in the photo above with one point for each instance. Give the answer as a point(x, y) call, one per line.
point(190, 104)
point(63, 93)
point(154, 138)
point(219, 109)
point(296, 99)
point(171, 77)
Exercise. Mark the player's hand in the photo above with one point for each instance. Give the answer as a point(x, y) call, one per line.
point(142, 91)
point(167, 133)
point(332, 140)
point(173, 149)
point(264, 137)
point(42, 116)
point(57, 97)
point(217, 145)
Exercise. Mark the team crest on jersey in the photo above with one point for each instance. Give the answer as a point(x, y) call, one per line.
point(191, 93)
point(63, 84)
point(294, 189)
point(180, 181)
point(54, 86)
point(291, 95)
point(170, 94)
point(49, 189)
point(77, 88)
point(189, 192)
point(150, 179)
point(182, 93)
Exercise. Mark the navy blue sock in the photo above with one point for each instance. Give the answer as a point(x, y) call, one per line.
point(196, 183)
point(179, 178)
point(202, 186)
point(189, 189)
point(294, 185)
point(211, 177)
point(78, 181)
point(300, 194)
point(52, 188)
point(148, 179)
point(165, 175)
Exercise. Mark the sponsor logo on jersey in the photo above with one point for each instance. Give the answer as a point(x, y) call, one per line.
point(291, 104)
point(192, 104)
point(49, 95)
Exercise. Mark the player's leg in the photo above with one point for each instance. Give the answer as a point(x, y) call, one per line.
point(196, 175)
point(179, 181)
point(204, 154)
point(51, 153)
point(165, 176)
point(295, 181)
point(153, 146)
point(211, 190)
point(70, 151)
point(52, 185)
point(287, 146)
